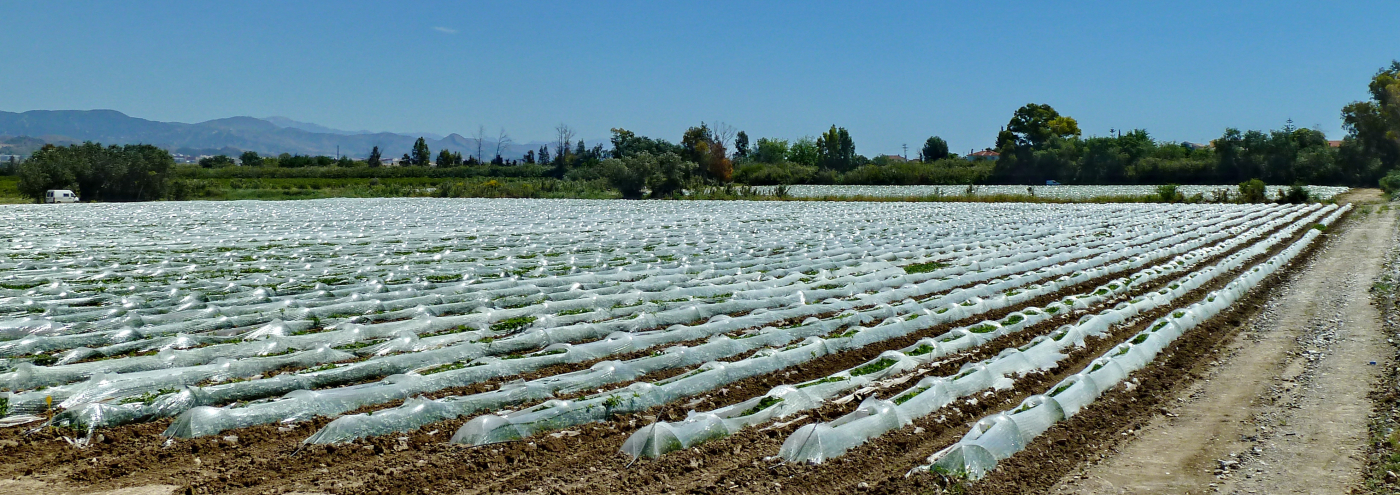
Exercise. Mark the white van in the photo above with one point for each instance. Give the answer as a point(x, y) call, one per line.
point(60, 196)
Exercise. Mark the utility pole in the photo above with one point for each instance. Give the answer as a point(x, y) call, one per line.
point(906, 151)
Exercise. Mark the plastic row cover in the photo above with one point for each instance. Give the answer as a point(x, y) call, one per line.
point(404, 418)
point(288, 382)
point(659, 438)
point(746, 298)
point(818, 442)
point(134, 313)
point(1002, 435)
point(555, 354)
point(479, 429)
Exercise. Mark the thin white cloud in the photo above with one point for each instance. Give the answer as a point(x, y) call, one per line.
point(444, 30)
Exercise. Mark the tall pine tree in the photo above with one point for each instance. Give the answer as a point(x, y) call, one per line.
point(374, 157)
point(421, 154)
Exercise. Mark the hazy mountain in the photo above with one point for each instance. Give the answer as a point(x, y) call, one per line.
point(309, 127)
point(271, 136)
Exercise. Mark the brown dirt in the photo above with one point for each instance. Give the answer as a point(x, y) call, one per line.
point(264, 459)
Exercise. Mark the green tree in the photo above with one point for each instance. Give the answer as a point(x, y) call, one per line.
point(703, 146)
point(935, 148)
point(46, 169)
point(1037, 144)
point(114, 173)
point(1036, 125)
point(673, 173)
point(804, 152)
point(695, 143)
point(666, 174)
point(741, 145)
point(1373, 127)
point(421, 154)
point(768, 150)
point(447, 158)
point(216, 161)
point(626, 143)
point(250, 159)
point(629, 175)
point(836, 149)
point(374, 157)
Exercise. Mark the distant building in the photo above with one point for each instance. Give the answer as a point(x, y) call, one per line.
point(986, 154)
point(893, 159)
point(1335, 143)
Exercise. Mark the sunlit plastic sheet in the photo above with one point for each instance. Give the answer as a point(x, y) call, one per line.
point(1002, 435)
point(1068, 192)
point(423, 307)
point(817, 442)
point(489, 429)
point(383, 422)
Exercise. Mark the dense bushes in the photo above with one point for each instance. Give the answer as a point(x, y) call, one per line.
point(664, 175)
point(769, 174)
point(1391, 183)
point(945, 171)
point(1253, 191)
point(115, 173)
point(330, 172)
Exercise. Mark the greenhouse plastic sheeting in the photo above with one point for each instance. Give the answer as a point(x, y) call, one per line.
point(304, 302)
point(818, 442)
point(1004, 434)
point(402, 419)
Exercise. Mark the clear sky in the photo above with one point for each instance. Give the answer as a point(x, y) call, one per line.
point(889, 72)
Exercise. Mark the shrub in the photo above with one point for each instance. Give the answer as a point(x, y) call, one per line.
point(1253, 191)
point(1168, 193)
point(1391, 183)
point(1295, 194)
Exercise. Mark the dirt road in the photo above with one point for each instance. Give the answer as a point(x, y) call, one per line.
point(1285, 410)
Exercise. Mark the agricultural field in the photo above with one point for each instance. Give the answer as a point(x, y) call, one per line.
point(487, 346)
point(1062, 192)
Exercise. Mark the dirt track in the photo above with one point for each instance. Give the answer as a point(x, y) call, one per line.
point(134, 460)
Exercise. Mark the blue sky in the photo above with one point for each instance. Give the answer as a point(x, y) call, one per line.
point(890, 72)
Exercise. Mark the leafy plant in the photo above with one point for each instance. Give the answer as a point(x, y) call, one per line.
point(874, 367)
point(924, 267)
point(512, 324)
point(920, 350)
point(764, 403)
point(912, 394)
point(829, 379)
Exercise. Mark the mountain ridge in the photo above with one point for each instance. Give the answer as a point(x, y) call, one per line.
point(269, 136)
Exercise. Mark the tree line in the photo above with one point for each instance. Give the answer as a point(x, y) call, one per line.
point(137, 172)
point(1037, 144)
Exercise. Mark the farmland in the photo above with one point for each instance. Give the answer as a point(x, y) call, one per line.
point(363, 345)
point(1058, 192)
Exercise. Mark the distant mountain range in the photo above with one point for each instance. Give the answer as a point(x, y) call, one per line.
point(268, 136)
